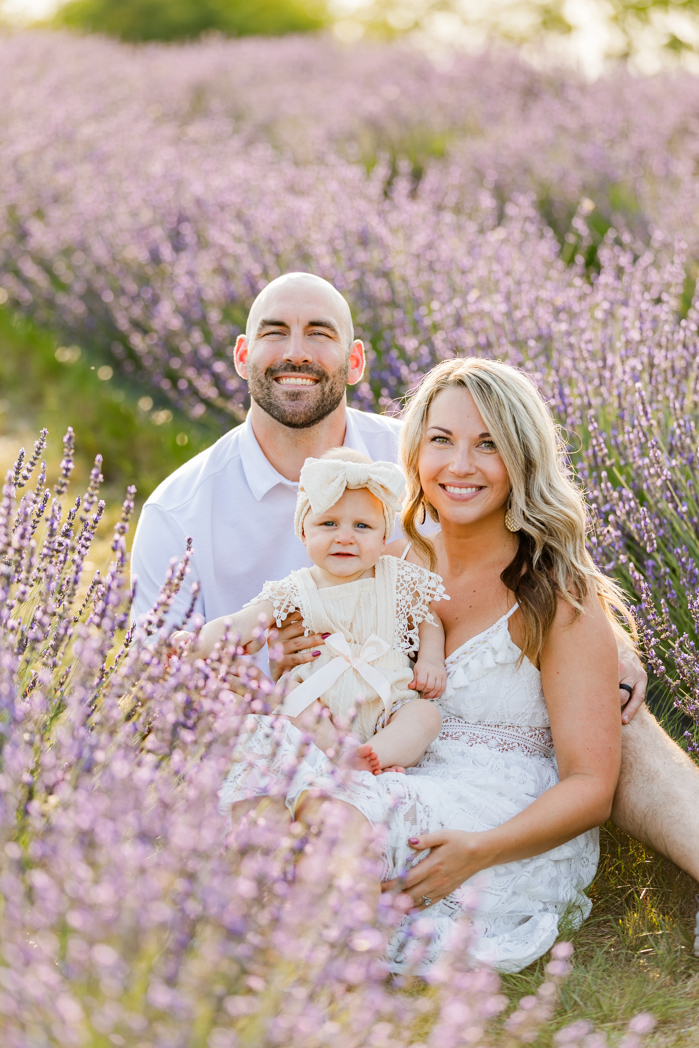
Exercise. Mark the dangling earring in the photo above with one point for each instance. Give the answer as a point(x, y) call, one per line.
point(424, 511)
point(511, 521)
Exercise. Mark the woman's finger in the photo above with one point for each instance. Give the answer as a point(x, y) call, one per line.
point(634, 704)
point(427, 840)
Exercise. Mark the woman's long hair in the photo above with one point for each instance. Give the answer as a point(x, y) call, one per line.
point(552, 561)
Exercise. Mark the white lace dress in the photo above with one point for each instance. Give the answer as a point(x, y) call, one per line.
point(494, 757)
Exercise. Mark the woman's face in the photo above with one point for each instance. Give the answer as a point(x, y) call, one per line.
point(461, 472)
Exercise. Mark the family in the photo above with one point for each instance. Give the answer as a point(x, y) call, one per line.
point(476, 652)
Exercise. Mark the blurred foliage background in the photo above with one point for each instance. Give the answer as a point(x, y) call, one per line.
point(186, 19)
point(650, 34)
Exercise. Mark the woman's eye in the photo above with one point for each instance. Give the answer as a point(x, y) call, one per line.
point(439, 440)
point(488, 445)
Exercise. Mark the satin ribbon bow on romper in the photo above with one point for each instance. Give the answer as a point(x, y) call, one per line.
point(318, 683)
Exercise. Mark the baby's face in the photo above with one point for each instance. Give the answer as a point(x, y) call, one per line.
point(350, 537)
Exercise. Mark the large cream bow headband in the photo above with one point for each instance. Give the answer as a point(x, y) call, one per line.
point(324, 481)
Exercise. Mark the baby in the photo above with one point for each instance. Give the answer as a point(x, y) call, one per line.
point(374, 611)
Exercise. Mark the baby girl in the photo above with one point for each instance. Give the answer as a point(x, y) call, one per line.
point(374, 611)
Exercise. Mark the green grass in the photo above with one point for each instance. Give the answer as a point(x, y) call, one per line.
point(140, 444)
point(634, 953)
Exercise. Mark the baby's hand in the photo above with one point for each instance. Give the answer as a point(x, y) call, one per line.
point(179, 639)
point(430, 678)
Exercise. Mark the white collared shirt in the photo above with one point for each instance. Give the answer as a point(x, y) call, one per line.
point(239, 512)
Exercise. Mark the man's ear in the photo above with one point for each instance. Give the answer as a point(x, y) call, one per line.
point(240, 356)
point(357, 362)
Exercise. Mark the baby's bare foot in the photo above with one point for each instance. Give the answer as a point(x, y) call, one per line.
point(363, 758)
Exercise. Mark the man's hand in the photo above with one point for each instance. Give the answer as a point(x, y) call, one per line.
point(297, 648)
point(632, 674)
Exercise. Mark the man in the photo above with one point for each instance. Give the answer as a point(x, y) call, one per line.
point(236, 501)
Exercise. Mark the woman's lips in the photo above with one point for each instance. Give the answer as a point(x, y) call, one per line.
point(463, 493)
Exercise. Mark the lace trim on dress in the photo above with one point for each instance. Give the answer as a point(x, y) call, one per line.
point(506, 738)
point(416, 588)
point(285, 597)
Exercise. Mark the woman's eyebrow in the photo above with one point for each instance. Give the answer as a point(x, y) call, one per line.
point(442, 429)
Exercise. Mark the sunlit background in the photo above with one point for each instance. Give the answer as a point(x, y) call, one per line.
point(586, 33)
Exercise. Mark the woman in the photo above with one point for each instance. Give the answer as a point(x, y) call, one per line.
point(532, 669)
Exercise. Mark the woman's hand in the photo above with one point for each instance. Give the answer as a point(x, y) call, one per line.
point(297, 648)
point(455, 855)
point(632, 674)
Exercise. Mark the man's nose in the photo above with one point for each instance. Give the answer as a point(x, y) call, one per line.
point(297, 350)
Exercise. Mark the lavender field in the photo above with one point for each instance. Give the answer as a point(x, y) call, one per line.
point(482, 207)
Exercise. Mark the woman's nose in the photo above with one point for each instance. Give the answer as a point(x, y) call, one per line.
point(462, 464)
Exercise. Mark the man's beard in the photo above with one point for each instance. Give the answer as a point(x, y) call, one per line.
point(302, 406)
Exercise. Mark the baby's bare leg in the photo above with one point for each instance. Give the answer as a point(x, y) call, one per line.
point(315, 721)
point(408, 734)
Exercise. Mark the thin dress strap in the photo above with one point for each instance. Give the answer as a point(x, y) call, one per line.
point(406, 551)
point(512, 610)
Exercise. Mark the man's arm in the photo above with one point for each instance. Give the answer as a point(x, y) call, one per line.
point(159, 540)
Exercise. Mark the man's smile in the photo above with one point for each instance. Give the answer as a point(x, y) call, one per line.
point(296, 380)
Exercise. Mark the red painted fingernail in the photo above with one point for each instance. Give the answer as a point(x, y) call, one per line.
point(324, 635)
point(413, 840)
point(315, 654)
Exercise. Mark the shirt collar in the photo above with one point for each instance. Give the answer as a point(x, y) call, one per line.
point(259, 471)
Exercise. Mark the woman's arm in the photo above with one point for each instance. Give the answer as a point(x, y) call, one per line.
point(579, 677)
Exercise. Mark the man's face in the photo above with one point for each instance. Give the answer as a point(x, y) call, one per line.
point(298, 359)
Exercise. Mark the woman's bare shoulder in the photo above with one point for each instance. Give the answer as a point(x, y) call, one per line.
point(398, 547)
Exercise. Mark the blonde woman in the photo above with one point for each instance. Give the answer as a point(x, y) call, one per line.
point(527, 762)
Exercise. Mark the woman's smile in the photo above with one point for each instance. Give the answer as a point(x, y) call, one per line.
point(462, 492)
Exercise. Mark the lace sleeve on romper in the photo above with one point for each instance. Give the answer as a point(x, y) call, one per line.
point(285, 595)
point(416, 588)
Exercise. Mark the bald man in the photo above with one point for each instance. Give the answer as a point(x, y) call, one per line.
point(236, 499)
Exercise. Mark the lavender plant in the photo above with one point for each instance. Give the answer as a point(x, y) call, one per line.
point(133, 913)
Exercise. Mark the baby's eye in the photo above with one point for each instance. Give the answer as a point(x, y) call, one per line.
point(328, 524)
point(361, 524)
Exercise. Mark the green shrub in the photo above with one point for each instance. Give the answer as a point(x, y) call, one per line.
point(186, 19)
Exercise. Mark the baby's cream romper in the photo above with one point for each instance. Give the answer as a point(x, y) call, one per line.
point(391, 605)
